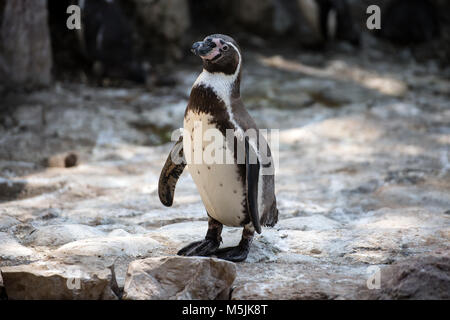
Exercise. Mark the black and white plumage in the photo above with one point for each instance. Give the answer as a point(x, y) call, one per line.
point(235, 193)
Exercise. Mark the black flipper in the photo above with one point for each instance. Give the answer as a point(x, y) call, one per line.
point(170, 173)
point(252, 177)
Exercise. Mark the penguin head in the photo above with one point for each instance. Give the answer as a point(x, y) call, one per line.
point(220, 54)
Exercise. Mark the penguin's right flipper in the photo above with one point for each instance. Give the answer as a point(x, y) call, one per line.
point(172, 170)
point(252, 176)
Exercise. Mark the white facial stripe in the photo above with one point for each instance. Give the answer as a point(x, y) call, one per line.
point(222, 84)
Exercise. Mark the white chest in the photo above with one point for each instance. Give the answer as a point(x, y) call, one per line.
point(218, 182)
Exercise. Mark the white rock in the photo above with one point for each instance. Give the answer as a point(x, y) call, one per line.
point(10, 249)
point(7, 221)
point(118, 233)
point(111, 246)
point(183, 232)
point(56, 235)
point(315, 222)
point(178, 278)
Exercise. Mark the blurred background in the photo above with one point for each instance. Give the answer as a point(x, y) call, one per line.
point(144, 45)
point(86, 118)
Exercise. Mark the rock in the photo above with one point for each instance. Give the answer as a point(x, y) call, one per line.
point(417, 278)
point(118, 233)
point(107, 41)
point(7, 222)
point(134, 245)
point(164, 23)
point(65, 160)
point(168, 18)
point(50, 213)
point(178, 278)
point(57, 235)
point(26, 58)
point(278, 291)
point(10, 249)
point(315, 222)
point(11, 189)
point(53, 280)
point(254, 14)
point(308, 23)
point(2, 289)
point(17, 189)
point(407, 22)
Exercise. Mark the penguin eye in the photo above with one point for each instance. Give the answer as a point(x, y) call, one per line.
point(225, 48)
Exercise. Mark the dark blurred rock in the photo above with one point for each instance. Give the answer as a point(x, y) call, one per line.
point(409, 21)
point(10, 189)
point(254, 14)
point(71, 160)
point(209, 17)
point(300, 21)
point(3, 295)
point(319, 21)
point(345, 26)
point(64, 160)
point(103, 47)
point(418, 278)
point(163, 25)
point(106, 37)
point(25, 53)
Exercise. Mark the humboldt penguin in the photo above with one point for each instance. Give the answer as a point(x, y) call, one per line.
point(237, 187)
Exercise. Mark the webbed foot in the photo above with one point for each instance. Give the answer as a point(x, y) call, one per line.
point(202, 248)
point(235, 254)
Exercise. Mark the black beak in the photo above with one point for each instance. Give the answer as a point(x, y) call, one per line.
point(201, 48)
point(195, 47)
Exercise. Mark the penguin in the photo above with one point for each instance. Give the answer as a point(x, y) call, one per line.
point(240, 191)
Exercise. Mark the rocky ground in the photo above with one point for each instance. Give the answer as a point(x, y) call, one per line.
point(363, 180)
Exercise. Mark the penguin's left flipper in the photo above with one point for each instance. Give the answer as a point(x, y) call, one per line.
point(252, 176)
point(172, 170)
